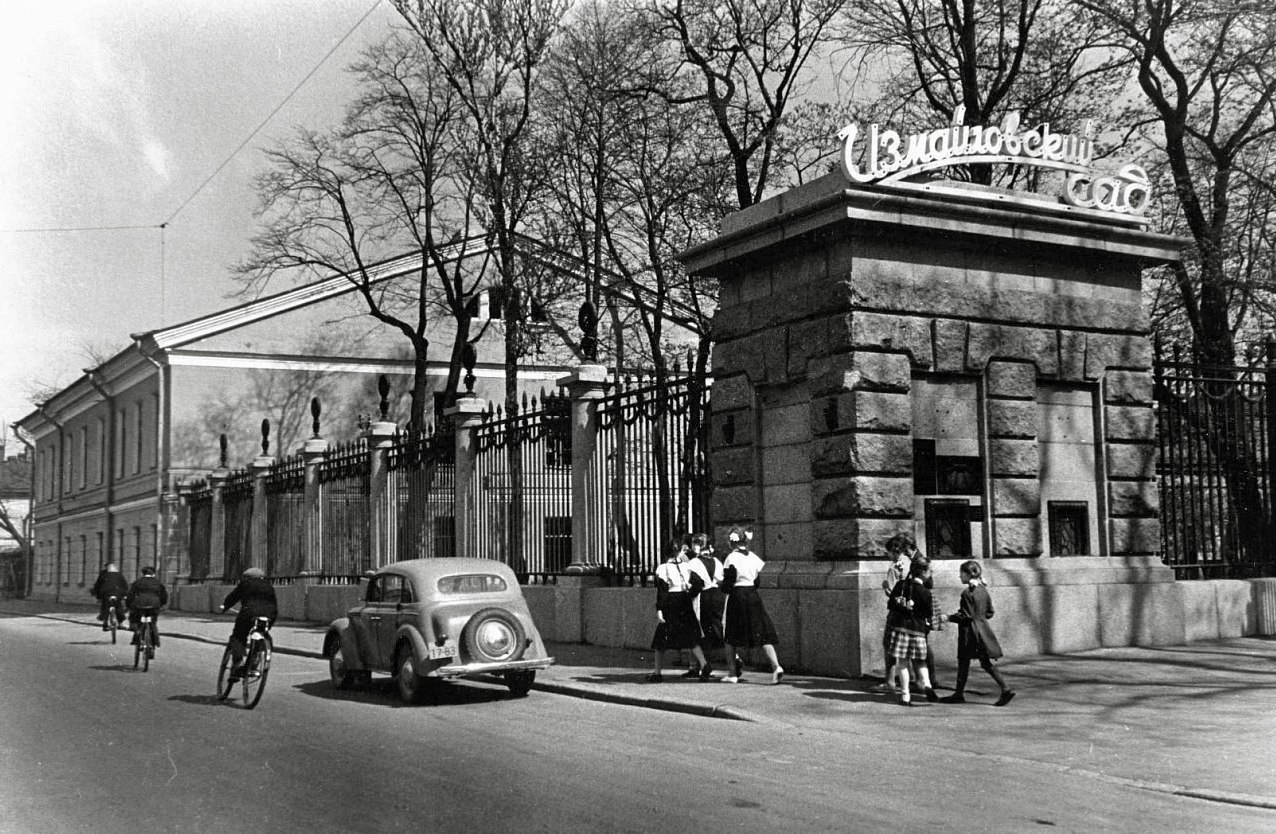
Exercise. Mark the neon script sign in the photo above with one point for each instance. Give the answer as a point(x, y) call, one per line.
point(885, 157)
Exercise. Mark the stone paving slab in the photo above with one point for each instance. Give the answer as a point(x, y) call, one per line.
point(1194, 720)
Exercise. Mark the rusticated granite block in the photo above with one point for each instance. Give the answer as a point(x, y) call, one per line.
point(1018, 537)
point(1129, 387)
point(1107, 351)
point(849, 453)
point(1014, 456)
point(773, 348)
point(1130, 422)
point(731, 322)
point(1131, 461)
point(735, 465)
point(876, 411)
point(889, 371)
point(835, 538)
point(1016, 496)
point(950, 345)
point(734, 503)
point(862, 496)
point(1012, 380)
point(732, 428)
point(1012, 418)
point(1133, 498)
point(1135, 536)
point(730, 392)
point(893, 333)
point(1026, 344)
point(1072, 355)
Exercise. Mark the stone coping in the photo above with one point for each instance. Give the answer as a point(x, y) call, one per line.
point(867, 575)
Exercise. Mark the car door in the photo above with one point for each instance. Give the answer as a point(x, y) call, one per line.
point(362, 626)
point(387, 613)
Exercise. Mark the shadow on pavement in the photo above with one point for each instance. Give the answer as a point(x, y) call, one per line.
point(382, 693)
point(201, 700)
point(119, 667)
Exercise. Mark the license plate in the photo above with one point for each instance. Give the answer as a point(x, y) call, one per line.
point(441, 652)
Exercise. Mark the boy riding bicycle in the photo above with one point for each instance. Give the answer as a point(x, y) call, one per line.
point(110, 583)
point(255, 597)
point(145, 597)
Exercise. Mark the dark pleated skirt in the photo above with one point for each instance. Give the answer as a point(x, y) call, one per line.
point(680, 629)
point(747, 623)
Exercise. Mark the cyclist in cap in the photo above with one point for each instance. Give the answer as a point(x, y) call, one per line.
point(145, 596)
point(255, 597)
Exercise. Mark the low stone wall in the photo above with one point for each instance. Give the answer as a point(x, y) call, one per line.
point(830, 617)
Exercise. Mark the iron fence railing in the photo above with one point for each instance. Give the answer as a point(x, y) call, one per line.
point(237, 500)
point(286, 511)
point(422, 486)
point(200, 508)
point(651, 466)
point(345, 517)
point(1216, 476)
point(523, 487)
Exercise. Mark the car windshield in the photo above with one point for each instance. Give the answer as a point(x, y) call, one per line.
point(471, 583)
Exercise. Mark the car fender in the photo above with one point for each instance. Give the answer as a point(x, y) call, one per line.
point(415, 639)
point(340, 630)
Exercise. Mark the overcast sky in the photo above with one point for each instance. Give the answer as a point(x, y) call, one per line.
point(113, 113)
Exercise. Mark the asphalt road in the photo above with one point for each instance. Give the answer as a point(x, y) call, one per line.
point(91, 745)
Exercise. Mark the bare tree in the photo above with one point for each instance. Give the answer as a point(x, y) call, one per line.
point(386, 187)
point(1037, 57)
point(747, 59)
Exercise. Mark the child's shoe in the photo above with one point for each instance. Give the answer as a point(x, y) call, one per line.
point(955, 698)
point(1005, 698)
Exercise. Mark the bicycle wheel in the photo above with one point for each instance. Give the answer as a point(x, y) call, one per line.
point(112, 622)
point(138, 654)
point(224, 683)
point(144, 644)
point(256, 669)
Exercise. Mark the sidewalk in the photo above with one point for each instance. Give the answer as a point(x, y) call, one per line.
point(1196, 720)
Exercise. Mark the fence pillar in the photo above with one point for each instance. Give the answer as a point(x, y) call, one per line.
point(382, 513)
point(261, 515)
point(466, 415)
point(182, 533)
point(217, 524)
point(313, 453)
point(586, 386)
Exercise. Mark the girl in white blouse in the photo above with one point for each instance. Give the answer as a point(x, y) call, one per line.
point(747, 623)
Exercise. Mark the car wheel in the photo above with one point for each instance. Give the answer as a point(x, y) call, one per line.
point(413, 688)
point(340, 676)
point(494, 635)
point(520, 683)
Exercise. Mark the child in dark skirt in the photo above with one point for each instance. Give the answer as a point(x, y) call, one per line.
point(975, 638)
point(676, 623)
point(911, 610)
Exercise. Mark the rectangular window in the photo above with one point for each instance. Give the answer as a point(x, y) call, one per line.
point(137, 550)
point(948, 528)
point(101, 551)
point(1069, 528)
point(101, 450)
point(141, 438)
point(84, 457)
point(84, 558)
point(121, 441)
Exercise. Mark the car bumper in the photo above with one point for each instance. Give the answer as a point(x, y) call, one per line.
point(449, 670)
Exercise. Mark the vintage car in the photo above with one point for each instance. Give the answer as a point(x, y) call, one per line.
point(426, 620)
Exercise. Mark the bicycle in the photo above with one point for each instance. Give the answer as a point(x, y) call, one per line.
point(112, 618)
point(144, 648)
point(255, 668)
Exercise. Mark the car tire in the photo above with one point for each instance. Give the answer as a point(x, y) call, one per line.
point(413, 688)
point(494, 635)
point(341, 677)
point(520, 683)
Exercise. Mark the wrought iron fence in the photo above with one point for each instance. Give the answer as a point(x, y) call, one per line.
point(237, 499)
point(1215, 427)
point(523, 487)
point(200, 511)
point(422, 484)
point(286, 510)
point(652, 468)
point(345, 517)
